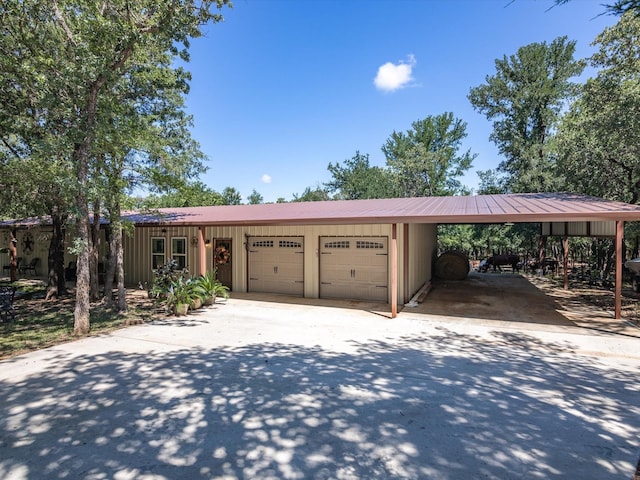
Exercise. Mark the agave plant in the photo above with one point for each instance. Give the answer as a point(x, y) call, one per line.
point(213, 287)
point(181, 292)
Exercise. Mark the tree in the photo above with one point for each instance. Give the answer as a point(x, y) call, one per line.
point(524, 100)
point(619, 7)
point(255, 198)
point(231, 196)
point(62, 60)
point(425, 161)
point(193, 194)
point(599, 139)
point(356, 179)
point(317, 194)
point(491, 183)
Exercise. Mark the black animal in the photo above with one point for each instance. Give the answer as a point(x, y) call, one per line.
point(547, 265)
point(497, 261)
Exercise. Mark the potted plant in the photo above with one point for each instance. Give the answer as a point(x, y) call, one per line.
point(197, 292)
point(212, 287)
point(179, 297)
point(164, 278)
point(220, 291)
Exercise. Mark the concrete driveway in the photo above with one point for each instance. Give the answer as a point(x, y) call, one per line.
point(264, 389)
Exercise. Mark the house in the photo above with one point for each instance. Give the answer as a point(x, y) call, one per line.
point(375, 250)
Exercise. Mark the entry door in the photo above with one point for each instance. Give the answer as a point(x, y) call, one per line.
point(276, 265)
point(222, 260)
point(354, 268)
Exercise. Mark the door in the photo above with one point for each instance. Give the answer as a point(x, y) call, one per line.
point(354, 268)
point(276, 265)
point(222, 261)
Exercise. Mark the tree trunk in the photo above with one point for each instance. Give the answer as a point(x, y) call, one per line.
point(122, 297)
point(111, 263)
point(81, 313)
point(609, 261)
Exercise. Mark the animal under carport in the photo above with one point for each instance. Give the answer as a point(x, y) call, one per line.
point(497, 261)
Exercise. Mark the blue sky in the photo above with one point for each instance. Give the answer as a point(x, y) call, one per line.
point(282, 88)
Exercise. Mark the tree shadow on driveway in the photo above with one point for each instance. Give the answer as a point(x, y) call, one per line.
point(444, 406)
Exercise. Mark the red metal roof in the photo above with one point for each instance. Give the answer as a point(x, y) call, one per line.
point(516, 208)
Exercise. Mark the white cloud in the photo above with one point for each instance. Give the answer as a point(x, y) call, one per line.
point(392, 77)
point(266, 178)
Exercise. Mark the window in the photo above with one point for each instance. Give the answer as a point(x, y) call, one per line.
point(337, 244)
point(262, 244)
point(179, 251)
point(368, 244)
point(289, 244)
point(157, 252)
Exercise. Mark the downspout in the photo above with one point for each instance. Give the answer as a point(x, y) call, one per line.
point(565, 255)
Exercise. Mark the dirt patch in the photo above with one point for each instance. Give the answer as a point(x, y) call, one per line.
point(532, 299)
point(592, 306)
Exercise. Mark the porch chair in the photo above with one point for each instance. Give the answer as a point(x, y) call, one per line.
point(7, 294)
point(30, 267)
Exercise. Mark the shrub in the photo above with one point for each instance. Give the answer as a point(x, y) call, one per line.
point(164, 278)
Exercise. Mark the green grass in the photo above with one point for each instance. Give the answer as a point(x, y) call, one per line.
point(40, 324)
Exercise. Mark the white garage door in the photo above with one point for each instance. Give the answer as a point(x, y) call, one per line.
point(354, 268)
point(276, 265)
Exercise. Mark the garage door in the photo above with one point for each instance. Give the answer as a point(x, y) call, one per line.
point(354, 268)
point(276, 265)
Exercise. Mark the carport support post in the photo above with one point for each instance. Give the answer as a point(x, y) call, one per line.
point(202, 252)
point(565, 260)
point(618, 294)
point(394, 270)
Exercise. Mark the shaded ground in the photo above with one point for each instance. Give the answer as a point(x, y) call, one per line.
point(263, 390)
point(40, 324)
point(533, 300)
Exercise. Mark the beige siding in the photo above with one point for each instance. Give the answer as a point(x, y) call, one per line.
point(41, 238)
point(422, 246)
point(137, 248)
point(580, 229)
point(137, 251)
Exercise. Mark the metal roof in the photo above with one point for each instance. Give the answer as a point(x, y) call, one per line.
point(516, 208)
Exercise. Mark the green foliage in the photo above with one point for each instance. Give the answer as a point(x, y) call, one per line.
point(231, 196)
point(491, 183)
point(212, 286)
point(479, 241)
point(92, 85)
point(316, 194)
point(255, 198)
point(164, 278)
point(173, 286)
point(194, 194)
point(599, 139)
point(619, 7)
point(425, 161)
point(356, 179)
point(524, 100)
